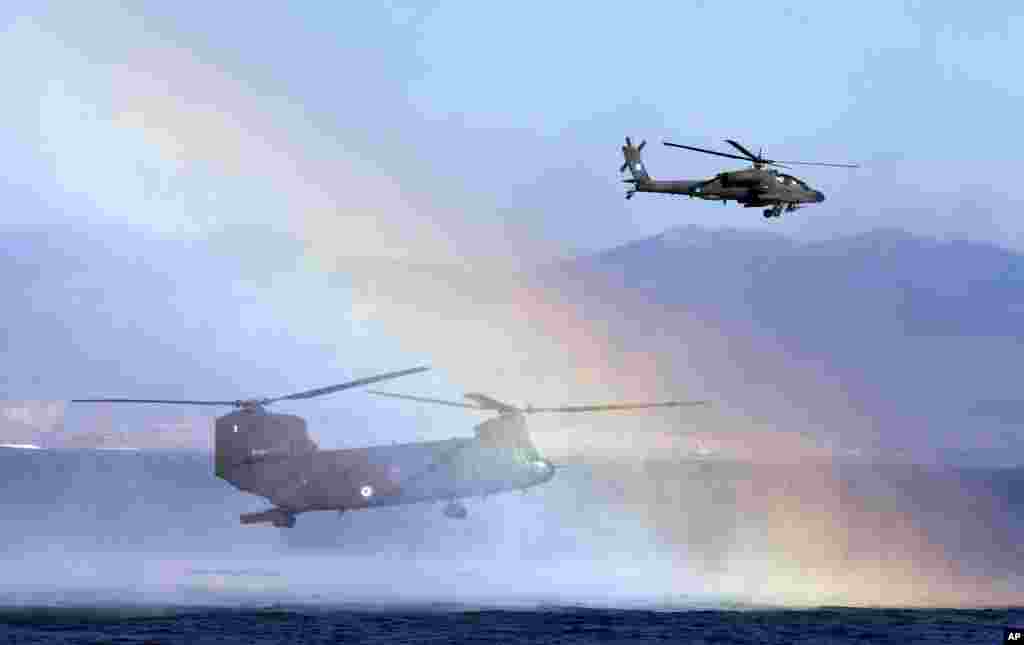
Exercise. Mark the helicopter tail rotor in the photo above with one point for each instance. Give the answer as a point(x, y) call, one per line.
point(633, 162)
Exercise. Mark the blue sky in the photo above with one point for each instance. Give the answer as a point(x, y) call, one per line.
point(489, 110)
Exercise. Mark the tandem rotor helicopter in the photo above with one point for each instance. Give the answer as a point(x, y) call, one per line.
point(273, 456)
point(752, 187)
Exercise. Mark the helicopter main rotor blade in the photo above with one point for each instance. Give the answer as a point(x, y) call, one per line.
point(750, 154)
point(422, 399)
point(308, 394)
point(710, 152)
point(489, 403)
point(619, 406)
point(818, 163)
point(169, 401)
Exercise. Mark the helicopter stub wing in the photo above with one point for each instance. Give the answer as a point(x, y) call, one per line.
point(694, 188)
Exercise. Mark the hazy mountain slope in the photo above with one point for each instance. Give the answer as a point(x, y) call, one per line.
point(919, 331)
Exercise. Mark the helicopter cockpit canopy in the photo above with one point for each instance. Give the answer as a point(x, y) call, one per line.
point(790, 180)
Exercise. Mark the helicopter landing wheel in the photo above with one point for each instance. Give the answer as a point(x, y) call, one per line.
point(455, 510)
point(285, 522)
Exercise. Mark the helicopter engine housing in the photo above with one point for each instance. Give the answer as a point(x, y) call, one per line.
point(248, 437)
point(504, 430)
point(741, 178)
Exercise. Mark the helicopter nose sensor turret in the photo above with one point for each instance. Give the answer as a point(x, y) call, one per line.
point(545, 470)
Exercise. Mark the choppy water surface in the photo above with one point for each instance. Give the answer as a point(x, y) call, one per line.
point(553, 625)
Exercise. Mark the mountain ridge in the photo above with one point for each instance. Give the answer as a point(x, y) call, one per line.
point(917, 331)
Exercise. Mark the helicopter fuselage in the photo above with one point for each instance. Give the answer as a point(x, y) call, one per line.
point(753, 187)
point(357, 478)
point(296, 477)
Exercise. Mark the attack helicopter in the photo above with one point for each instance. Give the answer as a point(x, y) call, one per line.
point(757, 186)
point(274, 457)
